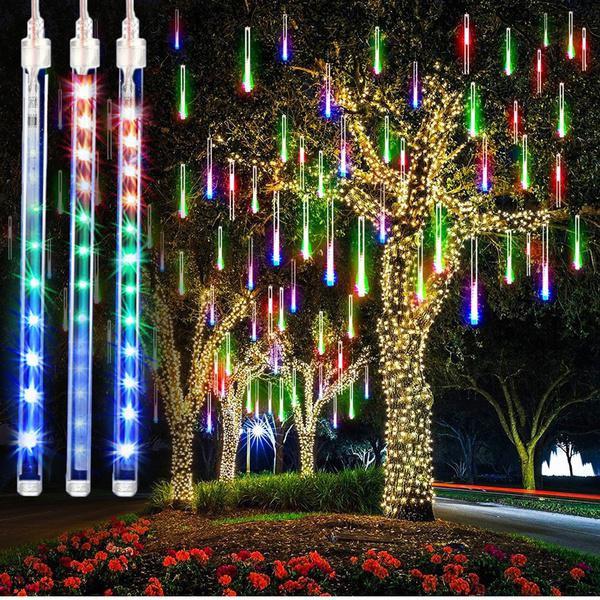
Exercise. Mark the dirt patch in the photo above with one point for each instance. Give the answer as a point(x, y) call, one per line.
point(335, 536)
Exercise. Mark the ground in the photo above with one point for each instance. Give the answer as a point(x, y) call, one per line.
point(335, 536)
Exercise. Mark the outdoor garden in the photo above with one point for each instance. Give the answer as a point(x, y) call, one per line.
point(289, 283)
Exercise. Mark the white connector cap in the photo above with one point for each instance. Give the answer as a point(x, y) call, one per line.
point(29, 487)
point(124, 488)
point(85, 48)
point(131, 48)
point(78, 489)
point(35, 48)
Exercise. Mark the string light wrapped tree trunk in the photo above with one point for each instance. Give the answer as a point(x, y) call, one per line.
point(184, 396)
point(410, 306)
point(322, 381)
point(250, 364)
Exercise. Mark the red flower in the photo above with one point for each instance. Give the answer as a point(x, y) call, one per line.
point(280, 571)
point(230, 570)
point(229, 592)
point(101, 555)
point(5, 580)
point(259, 581)
point(65, 561)
point(182, 555)
point(114, 564)
point(21, 592)
point(353, 560)
point(154, 588)
point(460, 559)
point(530, 589)
point(42, 568)
point(512, 573)
point(224, 580)
point(373, 566)
point(518, 560)
point(429, 583)
point(256, 557)
point(460, 586)
point(72, 582)
point(46, 584)
point(436, 559)
point(388, 560)
point(169, 561)
point(241, 555)
point(199, 555)
point(86, 546)
point(32, 588)
point(416, 573)
point(554, 591)
point(430, 548)
point(473, 578)
point(577, 573)
point(61, 548)
point(108, 592)
point(447, 550)
point(453, 570)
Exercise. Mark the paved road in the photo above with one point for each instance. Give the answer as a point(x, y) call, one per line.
point(25, 520)
point(578, 533)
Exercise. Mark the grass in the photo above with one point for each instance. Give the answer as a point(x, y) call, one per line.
point(355, 491)
point(284, 516)
point(565, 507)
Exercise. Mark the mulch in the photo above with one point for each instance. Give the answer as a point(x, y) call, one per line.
point(336, 536)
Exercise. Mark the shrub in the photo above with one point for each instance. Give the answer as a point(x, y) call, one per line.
point(353, 491)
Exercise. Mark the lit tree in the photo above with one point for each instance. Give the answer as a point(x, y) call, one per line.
point(439, 177)
point(252, 362)
point(184, 391)
point(317, 382)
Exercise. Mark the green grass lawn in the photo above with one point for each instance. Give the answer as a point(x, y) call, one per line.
point(284, 516)
point(566, 507)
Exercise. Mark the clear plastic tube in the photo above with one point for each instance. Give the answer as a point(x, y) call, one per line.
point(131, 60)
point(35, 59)
point(85, 53)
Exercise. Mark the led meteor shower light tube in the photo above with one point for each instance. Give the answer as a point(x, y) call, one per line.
point(85, 59)
point(131, 61)
point(35, 60)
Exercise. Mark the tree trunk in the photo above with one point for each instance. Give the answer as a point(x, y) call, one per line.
point(408, 473)
point(279, 448)
point(527, 459)
point(182, 460)
point(231, 421)
point(306, 441)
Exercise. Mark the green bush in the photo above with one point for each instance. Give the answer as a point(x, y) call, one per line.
point(353, 491)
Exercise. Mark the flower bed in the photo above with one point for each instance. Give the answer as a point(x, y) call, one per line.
point(111, 560)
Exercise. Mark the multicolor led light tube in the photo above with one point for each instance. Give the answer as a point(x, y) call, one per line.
point(361, 273)
point(571, 44)
point(377, 53)
point(247, 82)
point(508, 53)
point(438, 261)
point(276, 239)
point(509, 275)
point(209, 168)
point(85, 59)
point(131, 61)
point(545, 293)
point(35, 60)
point(285, 51)
point(577, 261)
point(466, 44)
point(474, 285)
point(330, 268)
